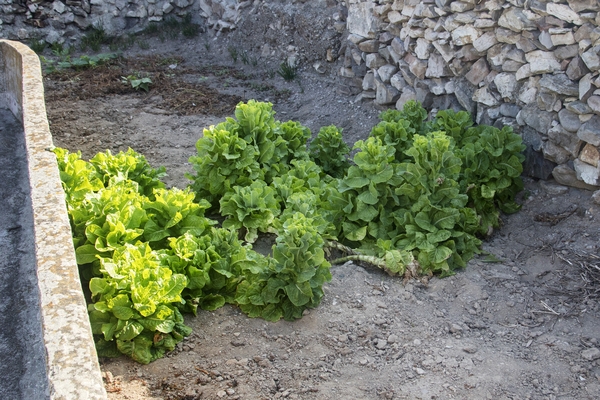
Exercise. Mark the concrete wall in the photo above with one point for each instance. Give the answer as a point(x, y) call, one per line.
point(72, 363)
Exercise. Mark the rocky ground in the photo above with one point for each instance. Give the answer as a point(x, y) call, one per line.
point(522, 322)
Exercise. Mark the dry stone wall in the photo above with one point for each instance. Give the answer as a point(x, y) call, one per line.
point(530, 64)
point(59, 20)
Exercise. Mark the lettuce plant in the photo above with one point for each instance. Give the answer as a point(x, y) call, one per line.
point(330, 151)
point(134, 305)
point(252, 207)
point(292, 280)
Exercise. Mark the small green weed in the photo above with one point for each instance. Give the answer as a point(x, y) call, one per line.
point(169, 61)
point(137, 83)
point(37, 45)
point(233, 52)
point(188, 28)
point(153, 28)
point(94, 39)
point(261, 87)
point(287, 71)
point(244, 57)
point(221, 72)
point(63, 53)
point(83, 62)
point(144, 45)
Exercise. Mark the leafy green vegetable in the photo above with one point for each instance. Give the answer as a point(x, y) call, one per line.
point(173, 213)
point(131, 166)
point(253, 207)
point(292, 280)
point(224, 160)
point(330, 151)
point(135, 300)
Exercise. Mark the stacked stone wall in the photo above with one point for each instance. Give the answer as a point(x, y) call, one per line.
point(529, 64)
point(533, 65)
point(61, 20)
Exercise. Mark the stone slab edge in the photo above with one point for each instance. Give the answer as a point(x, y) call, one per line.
point(72, 362)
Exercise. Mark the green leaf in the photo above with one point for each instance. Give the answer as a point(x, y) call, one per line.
point(86, 254)
point(272, 312)
point(354, 233)
point(441, 254)
point(299, 293)
point(211, 302)
point(131, 330)
point(121, 307)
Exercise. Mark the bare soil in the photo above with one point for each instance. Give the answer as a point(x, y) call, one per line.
point(521, 324)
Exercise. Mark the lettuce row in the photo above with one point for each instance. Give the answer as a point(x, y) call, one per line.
point(121, 238)
point(415, 200)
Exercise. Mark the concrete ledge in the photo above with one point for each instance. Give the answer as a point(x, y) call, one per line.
point(72, 363)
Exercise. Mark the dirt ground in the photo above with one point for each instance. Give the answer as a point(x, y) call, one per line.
point(523, 324)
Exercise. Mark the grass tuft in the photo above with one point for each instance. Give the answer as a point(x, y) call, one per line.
point(287, 71)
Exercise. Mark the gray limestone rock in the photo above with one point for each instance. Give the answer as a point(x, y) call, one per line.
point(407, 94)
point(568, 177)
point(569, 120)
point(576, 69)
point(374, 61)
point(398, 81)
point(586, 172)
point(509, 110)
point(542, 62)
point(594, 104)
point(369, 81)
point(386, 72)
point(485, 96)
point(369, 46)
point(592, 59)
point(485, 41)
point(586, 89)
point(464, 91)
point(417, 67)
point(555, 153)
point(563, 12)
point(578, 107)
point(507, 86)
point(547, 100)
point(539, 120)
point(465, 34)
point(590, 131)
point(508, 36)
point(559, 84)
point(437, 68)
point(517, 20)
point(361, 20)
point(511, 66)
point(584, 5)
point(566, 52)
point(385, 94)
point(423, 48)
point(567, 140)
